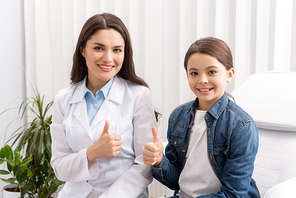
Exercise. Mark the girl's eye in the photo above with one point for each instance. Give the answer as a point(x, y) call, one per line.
point(193, 73)
point(212, 72)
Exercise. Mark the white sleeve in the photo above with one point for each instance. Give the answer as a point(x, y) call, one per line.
point(134, 182)
point(68, 165)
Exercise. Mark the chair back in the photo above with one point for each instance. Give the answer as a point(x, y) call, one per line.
point(270, 98)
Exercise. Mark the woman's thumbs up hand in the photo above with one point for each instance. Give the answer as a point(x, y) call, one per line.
point(152, 152)
point(108, 146)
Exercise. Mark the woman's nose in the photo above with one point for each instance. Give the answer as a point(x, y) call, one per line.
point(107, 57)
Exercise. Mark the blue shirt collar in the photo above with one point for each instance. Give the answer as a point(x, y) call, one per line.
point(105, 90)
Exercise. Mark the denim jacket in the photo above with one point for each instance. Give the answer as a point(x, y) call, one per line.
point(232, 140)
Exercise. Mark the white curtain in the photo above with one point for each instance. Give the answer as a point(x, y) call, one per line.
point(260, 33)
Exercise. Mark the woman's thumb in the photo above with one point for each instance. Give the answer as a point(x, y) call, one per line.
point(106, 128)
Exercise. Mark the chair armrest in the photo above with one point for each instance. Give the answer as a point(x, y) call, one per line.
point(284, 189)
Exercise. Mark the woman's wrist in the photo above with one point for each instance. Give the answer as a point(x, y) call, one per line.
point(89, 156)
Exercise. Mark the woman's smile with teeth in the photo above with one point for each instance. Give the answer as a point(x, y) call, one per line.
point(106, 66)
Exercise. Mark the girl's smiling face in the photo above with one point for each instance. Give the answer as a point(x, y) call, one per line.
point(207, 79)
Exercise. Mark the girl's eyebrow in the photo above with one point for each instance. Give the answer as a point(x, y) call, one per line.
point(209, 67)
point(190, 69)
point(212, 66)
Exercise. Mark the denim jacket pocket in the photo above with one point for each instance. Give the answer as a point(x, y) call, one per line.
point(177, 133)
point(175, 140)
point(220, 153)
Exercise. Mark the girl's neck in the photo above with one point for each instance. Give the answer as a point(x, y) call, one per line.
point(203, 107)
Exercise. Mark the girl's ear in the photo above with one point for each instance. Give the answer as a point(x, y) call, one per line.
point(82, 51)
point(230, 74)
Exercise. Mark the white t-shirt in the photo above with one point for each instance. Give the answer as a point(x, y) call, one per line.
point(198, 178)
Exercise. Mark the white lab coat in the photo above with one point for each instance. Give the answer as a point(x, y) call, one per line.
point(130, 112)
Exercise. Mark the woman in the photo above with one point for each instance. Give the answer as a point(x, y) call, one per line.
point(101, 123)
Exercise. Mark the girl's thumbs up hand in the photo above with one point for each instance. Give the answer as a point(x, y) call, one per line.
point(152, 152)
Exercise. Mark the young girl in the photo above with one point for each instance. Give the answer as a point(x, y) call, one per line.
point(101, 123)
point(212, 142)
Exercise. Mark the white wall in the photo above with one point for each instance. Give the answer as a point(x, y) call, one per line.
point(11, 65)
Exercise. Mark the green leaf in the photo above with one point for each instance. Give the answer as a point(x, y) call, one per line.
point(23, 177)
point(10, 180)
point(4, 172)
point(8, 152)
point(42, 195)
point(11, 163)
point(2, 153)
point(17, 156)
point(24, 168)
point(9, 167)
point(26, 161)
point(29, 173)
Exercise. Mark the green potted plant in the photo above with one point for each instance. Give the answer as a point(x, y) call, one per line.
point(33, 138)
point(17, 168)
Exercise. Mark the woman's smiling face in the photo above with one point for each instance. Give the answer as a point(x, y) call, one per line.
point(207, 79)
point(104, 55)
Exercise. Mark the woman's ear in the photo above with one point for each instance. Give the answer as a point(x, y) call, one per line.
point(230, 74)
point(82, 51)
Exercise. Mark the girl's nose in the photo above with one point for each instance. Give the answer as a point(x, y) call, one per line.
point(107, 57)
point(203, 79)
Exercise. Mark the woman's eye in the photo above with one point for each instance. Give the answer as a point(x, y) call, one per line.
point(212, 72)
point(193, 73)
point(117, 50)
point(98, 48)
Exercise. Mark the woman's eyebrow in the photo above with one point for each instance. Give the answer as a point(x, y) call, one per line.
point(100, 44)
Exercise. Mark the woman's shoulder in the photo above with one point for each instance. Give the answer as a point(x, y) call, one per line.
point(133, 87)
point(66, 94)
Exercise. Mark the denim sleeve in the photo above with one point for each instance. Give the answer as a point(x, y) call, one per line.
point(238, 169)
point(167, 174)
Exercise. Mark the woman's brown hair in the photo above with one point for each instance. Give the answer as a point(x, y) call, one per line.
point(214, 47)
point(91, 26)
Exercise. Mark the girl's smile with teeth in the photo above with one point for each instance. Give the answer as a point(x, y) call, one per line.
point(204, 89)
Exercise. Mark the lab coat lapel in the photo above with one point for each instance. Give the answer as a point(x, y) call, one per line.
point(102, 114)
point(80, 112)
point(114, 99)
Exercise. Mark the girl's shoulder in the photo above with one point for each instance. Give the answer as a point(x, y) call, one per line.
point(237, 111)
point(182, 111)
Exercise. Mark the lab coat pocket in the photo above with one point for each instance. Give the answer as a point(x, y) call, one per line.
point(77, 137)
point(75, 189)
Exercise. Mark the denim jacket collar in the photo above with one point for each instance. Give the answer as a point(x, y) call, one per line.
point(215, 110)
